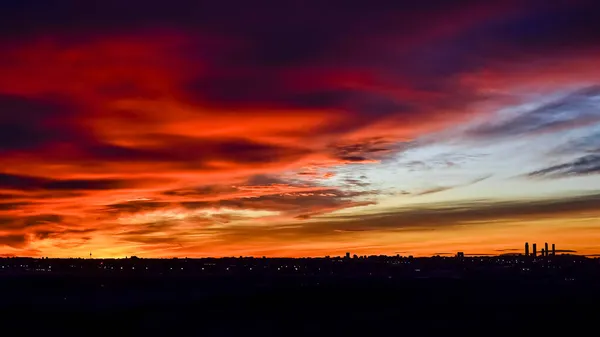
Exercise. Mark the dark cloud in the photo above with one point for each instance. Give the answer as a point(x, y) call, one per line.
point(434, 190)
point(445, 188)
point(581, 166)
point(197, 153)
point(242, 90)
point(368, 149)
point(147, 229)
point(416, 165)
point(7, 206)
point(253, 186)
point(586, 144)
point(357, 182)
point(564, 27)
point(427, 218)
point(439, 162)
point(300, 204)
point(152, 240)
point(135, 207)
point(573, 110)
point(202, 191)
point(6, 220)
point(261, 193)
point(15, 241)
point(459, 213)
point(33, 221)
point(24, 182)
point(265, 180)
point(61, 233)
point(42, 219)
point(64, 233)
point(522, 33)
point(54, 129)
point(154, 232)
point(30, 199)
point(71, 243)
point(27, 123)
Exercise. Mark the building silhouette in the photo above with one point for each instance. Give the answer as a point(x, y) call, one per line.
point(546, 248)
point(526, 248)
point(553, 250)
point(534, 250)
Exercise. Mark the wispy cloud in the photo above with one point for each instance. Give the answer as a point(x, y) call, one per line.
point(585, 165)
point(581, 144)
point(576, 109)
point(445, 188)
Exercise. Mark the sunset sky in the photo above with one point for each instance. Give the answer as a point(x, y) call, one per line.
point(298, 128)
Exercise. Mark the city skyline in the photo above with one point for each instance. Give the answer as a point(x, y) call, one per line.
point(291, 129)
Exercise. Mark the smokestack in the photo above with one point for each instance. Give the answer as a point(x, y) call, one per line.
point(546, 248)
point(553, 250)
point(526, 248)
point(534, 249)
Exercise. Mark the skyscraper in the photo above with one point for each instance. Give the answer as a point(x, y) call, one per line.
point(526, 248)
point(553, 250)
point(534, 249)
point(546, 248)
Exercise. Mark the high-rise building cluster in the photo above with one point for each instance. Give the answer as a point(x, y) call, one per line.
point(545, 250)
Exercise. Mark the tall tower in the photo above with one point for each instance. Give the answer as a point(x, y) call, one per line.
point(553, 250)
point(534, 249)
point(546, 248)
point(526, 248)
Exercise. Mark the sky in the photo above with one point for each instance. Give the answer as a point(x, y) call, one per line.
point(298, 128)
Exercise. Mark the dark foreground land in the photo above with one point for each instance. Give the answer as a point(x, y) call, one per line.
point(60, 305)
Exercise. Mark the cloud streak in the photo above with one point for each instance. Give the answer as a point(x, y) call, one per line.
point(576, 109)
point(446, 188)
point(582, 166)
